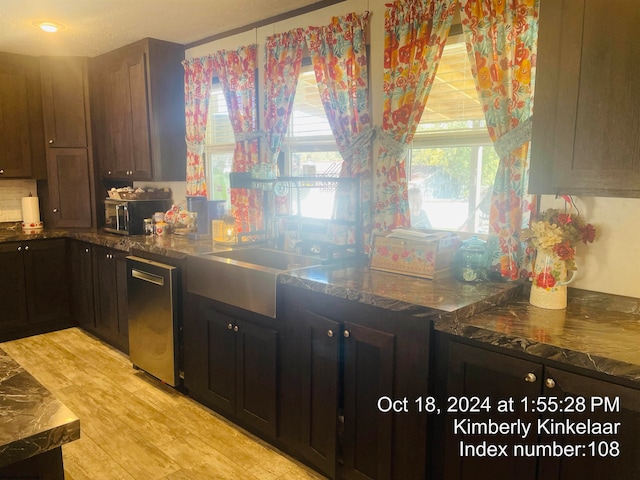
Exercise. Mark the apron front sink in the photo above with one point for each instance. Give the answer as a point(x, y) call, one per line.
point(245, 278)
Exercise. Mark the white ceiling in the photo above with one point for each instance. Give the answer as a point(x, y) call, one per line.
point(98, 26)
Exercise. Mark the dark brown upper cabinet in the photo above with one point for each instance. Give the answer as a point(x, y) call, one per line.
point(586, 129)
point(69, 189)
point(138, 105)
point(22, 144)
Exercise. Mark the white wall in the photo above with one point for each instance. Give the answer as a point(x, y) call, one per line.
point(611, 264)
point(11, 193)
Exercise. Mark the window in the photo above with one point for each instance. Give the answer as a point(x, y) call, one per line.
point(219, 146)
point(452, 162)
point(310, 148)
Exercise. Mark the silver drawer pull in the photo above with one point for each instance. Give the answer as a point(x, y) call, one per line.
point(147, 277)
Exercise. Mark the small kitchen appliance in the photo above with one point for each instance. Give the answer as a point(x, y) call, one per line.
point(126, 217)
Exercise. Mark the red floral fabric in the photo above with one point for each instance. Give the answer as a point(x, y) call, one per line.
point(198, 74)
point(236, 71)
point(502, 43)
point(339, 56)
point(415, 35)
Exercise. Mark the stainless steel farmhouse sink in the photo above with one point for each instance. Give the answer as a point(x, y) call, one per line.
point(245, 278)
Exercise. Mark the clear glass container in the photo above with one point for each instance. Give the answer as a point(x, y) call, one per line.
point(471, 261)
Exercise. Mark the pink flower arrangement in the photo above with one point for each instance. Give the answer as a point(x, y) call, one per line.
point(558, 233)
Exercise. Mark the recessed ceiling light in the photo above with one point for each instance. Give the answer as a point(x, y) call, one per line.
point(49, 27)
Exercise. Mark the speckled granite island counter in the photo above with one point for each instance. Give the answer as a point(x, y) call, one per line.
point(33, 425)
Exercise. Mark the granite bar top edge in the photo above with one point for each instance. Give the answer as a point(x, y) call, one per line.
point(590, 338)
point(33, 421)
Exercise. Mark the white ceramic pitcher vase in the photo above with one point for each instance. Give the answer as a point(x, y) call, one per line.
point(550, 280)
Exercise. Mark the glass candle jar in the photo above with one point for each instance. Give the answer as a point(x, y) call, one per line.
point(471, 264)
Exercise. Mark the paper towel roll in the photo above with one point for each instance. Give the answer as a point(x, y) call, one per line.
point(30, 211)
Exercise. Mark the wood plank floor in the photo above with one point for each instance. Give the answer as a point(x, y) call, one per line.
point(133, 426)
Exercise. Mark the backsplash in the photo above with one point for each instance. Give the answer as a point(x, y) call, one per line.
point(11, 193)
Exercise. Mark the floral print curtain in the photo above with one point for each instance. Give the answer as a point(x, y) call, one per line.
point(339, 57)
point(236, 71)
point(501, 40)
point(283, 58)
point(415, 34)
point(198, 73)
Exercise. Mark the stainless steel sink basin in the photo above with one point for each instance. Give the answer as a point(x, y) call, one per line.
point(245, 278)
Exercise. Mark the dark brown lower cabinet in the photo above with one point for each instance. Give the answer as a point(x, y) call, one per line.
point(110, 293)
point(82, 292)
point(230, 361)
point(603, 456)
point(343, 365)
point(33, 287)
point(553, 401)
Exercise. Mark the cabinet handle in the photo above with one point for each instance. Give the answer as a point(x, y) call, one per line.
point(87, 250)
point(530, 377)
point(550, 383)
point(51, 142)
point(19, 249)
point(55, 210)
point(235, 328)
point(230, 327)
point(329, 333)
point(26, 248)
point(346, 334)
point(109, 172)
point(1, 171)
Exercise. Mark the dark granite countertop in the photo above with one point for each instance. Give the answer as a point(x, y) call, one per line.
point(587, 334)
point(599, 332)
point(32, 421)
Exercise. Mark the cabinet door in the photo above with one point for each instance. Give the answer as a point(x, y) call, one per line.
point(69, 187)
point(215, 377)
point(586, 122)
point(63, 101)
point(474, 372)
point(82, 304)
point(12, 287)
point(106, 291)
point(126, 118)
point(604, 456)
point(110, 290)
point(22, 146)
point(121, 339)
point(368, 375)
point(45, 265)
point(256, 375)
point(310, 376)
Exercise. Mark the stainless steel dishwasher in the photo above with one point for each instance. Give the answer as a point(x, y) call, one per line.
point(153, 330)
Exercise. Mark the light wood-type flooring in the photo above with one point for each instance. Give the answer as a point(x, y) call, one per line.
point(134, 427)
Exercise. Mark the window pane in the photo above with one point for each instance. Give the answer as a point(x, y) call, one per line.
point(452, 163)
point(454, 186)
point(310, 149)
point(308, 117)
point(219, 130)
point(453, 103)
point(219, 146)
